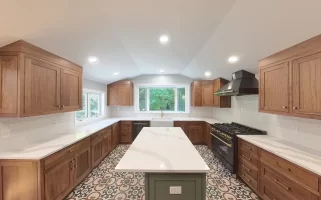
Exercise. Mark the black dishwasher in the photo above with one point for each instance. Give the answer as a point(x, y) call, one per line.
point(138, 126)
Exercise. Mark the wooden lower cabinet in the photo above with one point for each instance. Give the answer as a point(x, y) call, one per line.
point(126, 132)
point(115, 135)
point(183, 125)
point(97, 152)
point(207, 135)
point(107, 143)
point(82, 164)
point(274, 178)
point(195, 132)
point(59, 181)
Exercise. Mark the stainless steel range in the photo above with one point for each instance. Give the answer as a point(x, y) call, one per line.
point(224, 142)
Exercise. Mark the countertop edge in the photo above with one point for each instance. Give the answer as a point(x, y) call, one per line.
point(280, 155)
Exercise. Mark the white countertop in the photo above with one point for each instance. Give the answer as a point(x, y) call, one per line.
point(159, 149)
point(35, 150)
point(304, 157)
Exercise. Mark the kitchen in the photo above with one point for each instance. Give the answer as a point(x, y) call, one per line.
point(82, 108)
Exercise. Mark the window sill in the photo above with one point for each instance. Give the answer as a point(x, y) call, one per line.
point(159, 112)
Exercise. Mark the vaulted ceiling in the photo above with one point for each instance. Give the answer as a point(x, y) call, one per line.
point(124, 34)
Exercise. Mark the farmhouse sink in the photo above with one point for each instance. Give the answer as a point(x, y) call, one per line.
point(162, 122)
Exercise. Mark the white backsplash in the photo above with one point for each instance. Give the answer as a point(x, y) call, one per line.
point(305, 132)
point(128, 111)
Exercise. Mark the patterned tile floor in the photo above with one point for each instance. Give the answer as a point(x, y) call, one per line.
point(103, 183)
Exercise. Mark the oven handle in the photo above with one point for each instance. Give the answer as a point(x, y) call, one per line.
point(229, 145)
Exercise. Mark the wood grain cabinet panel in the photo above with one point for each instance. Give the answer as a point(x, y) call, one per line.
point(82, 163)
point(306, 81)
point(207, 93)
point(274, 91)
point(71, 92)
point(8, 85)
point(42, 87)
point(220, 101)
point(36, 82)
point(195, 132)
point(196, 93)
point(96, 150)
point(59, 180)
point(120, 94)
point(126, 132)
point(107, 146)
point(183, 125)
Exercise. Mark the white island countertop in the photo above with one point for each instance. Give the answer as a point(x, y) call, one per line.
point(162, 150)
point(307, 158)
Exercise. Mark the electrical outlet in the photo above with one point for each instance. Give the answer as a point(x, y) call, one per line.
point(175, 190)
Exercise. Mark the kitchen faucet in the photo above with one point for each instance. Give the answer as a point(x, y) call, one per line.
point(162, 113)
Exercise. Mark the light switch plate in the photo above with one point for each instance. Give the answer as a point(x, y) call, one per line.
point(175, 190)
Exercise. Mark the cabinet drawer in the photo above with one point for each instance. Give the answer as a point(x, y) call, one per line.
point(248, 148)
point(250, 169)
point(270, 192)
point(286, 185)
point(68, 151)
point(248, 179)
point(290, 170)
point(248, 158)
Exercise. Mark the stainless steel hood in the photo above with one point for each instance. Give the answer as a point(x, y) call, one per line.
point(243, 83)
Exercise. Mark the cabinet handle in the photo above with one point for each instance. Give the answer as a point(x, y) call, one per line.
point(249, 159)
point(294, 108)
point(280, 184)
point(284, 107)
point(62, 106)
point(249, 148)
point(246, 168)
point(72, 150)
point(248, 180)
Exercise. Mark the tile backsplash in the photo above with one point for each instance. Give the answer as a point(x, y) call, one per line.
point(305, 132)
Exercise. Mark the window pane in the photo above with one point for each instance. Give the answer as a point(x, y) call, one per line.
point(94, 103)
point(82, 114)
point(142, 99)
point(162, 99)
point(181, 99)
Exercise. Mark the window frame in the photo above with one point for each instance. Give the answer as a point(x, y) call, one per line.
point(175, 86)
point(100, 106)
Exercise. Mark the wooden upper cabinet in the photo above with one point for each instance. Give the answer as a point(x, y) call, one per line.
point(120, 94)
point(71, 92)
point(42, 87)
point(207, 93)
point(290, 81)
point(274, 88)
point(196, 93)
point(8, 85)
point(220, 101)
point(306, 85)
point(36, 82)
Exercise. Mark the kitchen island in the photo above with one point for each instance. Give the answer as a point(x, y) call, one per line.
point(173, 168)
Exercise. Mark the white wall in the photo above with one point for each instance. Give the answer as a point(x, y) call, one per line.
point(128, 111)
point(42, 127)
point(306, 132)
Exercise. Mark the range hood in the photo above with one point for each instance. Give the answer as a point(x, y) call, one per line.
point(243, 83)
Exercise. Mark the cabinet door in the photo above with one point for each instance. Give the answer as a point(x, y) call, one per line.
point(82, 164)
point(195, 132)
point(106, 142)
point(71, 90)
point(216, 87)
point(207, 93)
point(182, 125)
point(42, 88)
point(59, 180)
point(112, 96)
point(8, 85)
point(274, 87)
point(306, 81)
point(196, 94)
point(96, 152)
point(208, 136)
point(125, 95)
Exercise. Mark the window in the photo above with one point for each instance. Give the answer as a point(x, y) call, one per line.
point(169, 99)
point(92, 105)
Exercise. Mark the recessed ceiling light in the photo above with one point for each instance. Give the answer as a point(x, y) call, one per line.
point(233, 59)
point(162, 71)
point(93, 59)
point(208, 74)
point(116, 73)
point(163, 39)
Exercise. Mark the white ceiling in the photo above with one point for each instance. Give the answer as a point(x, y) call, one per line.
point(124, 34)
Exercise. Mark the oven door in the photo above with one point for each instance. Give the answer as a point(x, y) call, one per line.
point(223, 148)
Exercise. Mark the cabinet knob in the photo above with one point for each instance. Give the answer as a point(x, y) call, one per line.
point(62, 106)
point(294, 108)
point(58, 106)
point(284, 107)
